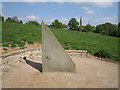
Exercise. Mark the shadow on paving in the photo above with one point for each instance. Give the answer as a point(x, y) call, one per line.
point(35, 65)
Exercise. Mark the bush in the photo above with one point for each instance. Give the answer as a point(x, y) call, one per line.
point(103, 54)
point(57, 24)
point(30, 42)
point(88, 28)
point(21, 44)
point(13, 45)
point(5, 49)
point(12, 20)
point(33, 22)
point(107, 29)
point(5, 44)
point(24, 39)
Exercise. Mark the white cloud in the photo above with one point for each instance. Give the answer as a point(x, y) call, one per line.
point(62, 19)
point(48, 21)
point(85, 20)
point(88, 5)
point(60, 0)
point(112, 19)
point(103, 4)
point(96, 21)
point(33, 17)
point(94, 4)
point(33, 0)
point(28, 18)
point(85, 8)
point(90, 12)
point(93, 21)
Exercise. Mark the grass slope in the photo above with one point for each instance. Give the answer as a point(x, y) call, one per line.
point(18, 32)
point(89, 41)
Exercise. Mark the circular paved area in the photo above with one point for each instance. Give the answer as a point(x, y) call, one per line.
point(90, 73)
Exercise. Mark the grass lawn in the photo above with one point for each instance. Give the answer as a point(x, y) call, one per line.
point(92, 42)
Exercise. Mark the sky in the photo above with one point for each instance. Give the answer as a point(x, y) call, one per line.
point(93, 12)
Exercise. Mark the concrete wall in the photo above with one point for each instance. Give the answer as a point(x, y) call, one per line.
point(54, 57)
point(10, 59)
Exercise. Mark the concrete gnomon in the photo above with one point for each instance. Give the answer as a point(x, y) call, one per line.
point(54, 57)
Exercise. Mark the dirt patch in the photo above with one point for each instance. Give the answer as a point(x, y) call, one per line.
point(90, 73)
point(8, 49)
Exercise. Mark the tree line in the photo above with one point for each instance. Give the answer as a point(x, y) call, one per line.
point(104, 29)
point(16, 20)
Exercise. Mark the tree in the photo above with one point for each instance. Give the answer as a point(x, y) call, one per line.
point(88, 28)
point(13, 20)
point(64, 25)
point(1, 18)
point(118, 24)
point(32, 22)
point(57, 24)
point(99, 29)
point(73, 24)
point(107, 29)
point(8, 19)
point(118, 29)
point(21, 21)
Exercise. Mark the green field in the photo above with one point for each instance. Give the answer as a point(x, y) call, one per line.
point(89, 41)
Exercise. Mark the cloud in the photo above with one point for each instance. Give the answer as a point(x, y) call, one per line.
point(103, 4)
point(60, 3)
point(33, 17)
point(62, 19)
point(85, 8)
point(88, 5)
point(90, 12)
point(28, 18)
point(60, 0)
point(85, 20)
point(33, 0)
point(94, 4)
point(96, 21)
point(112, 19)
point(49, 21)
